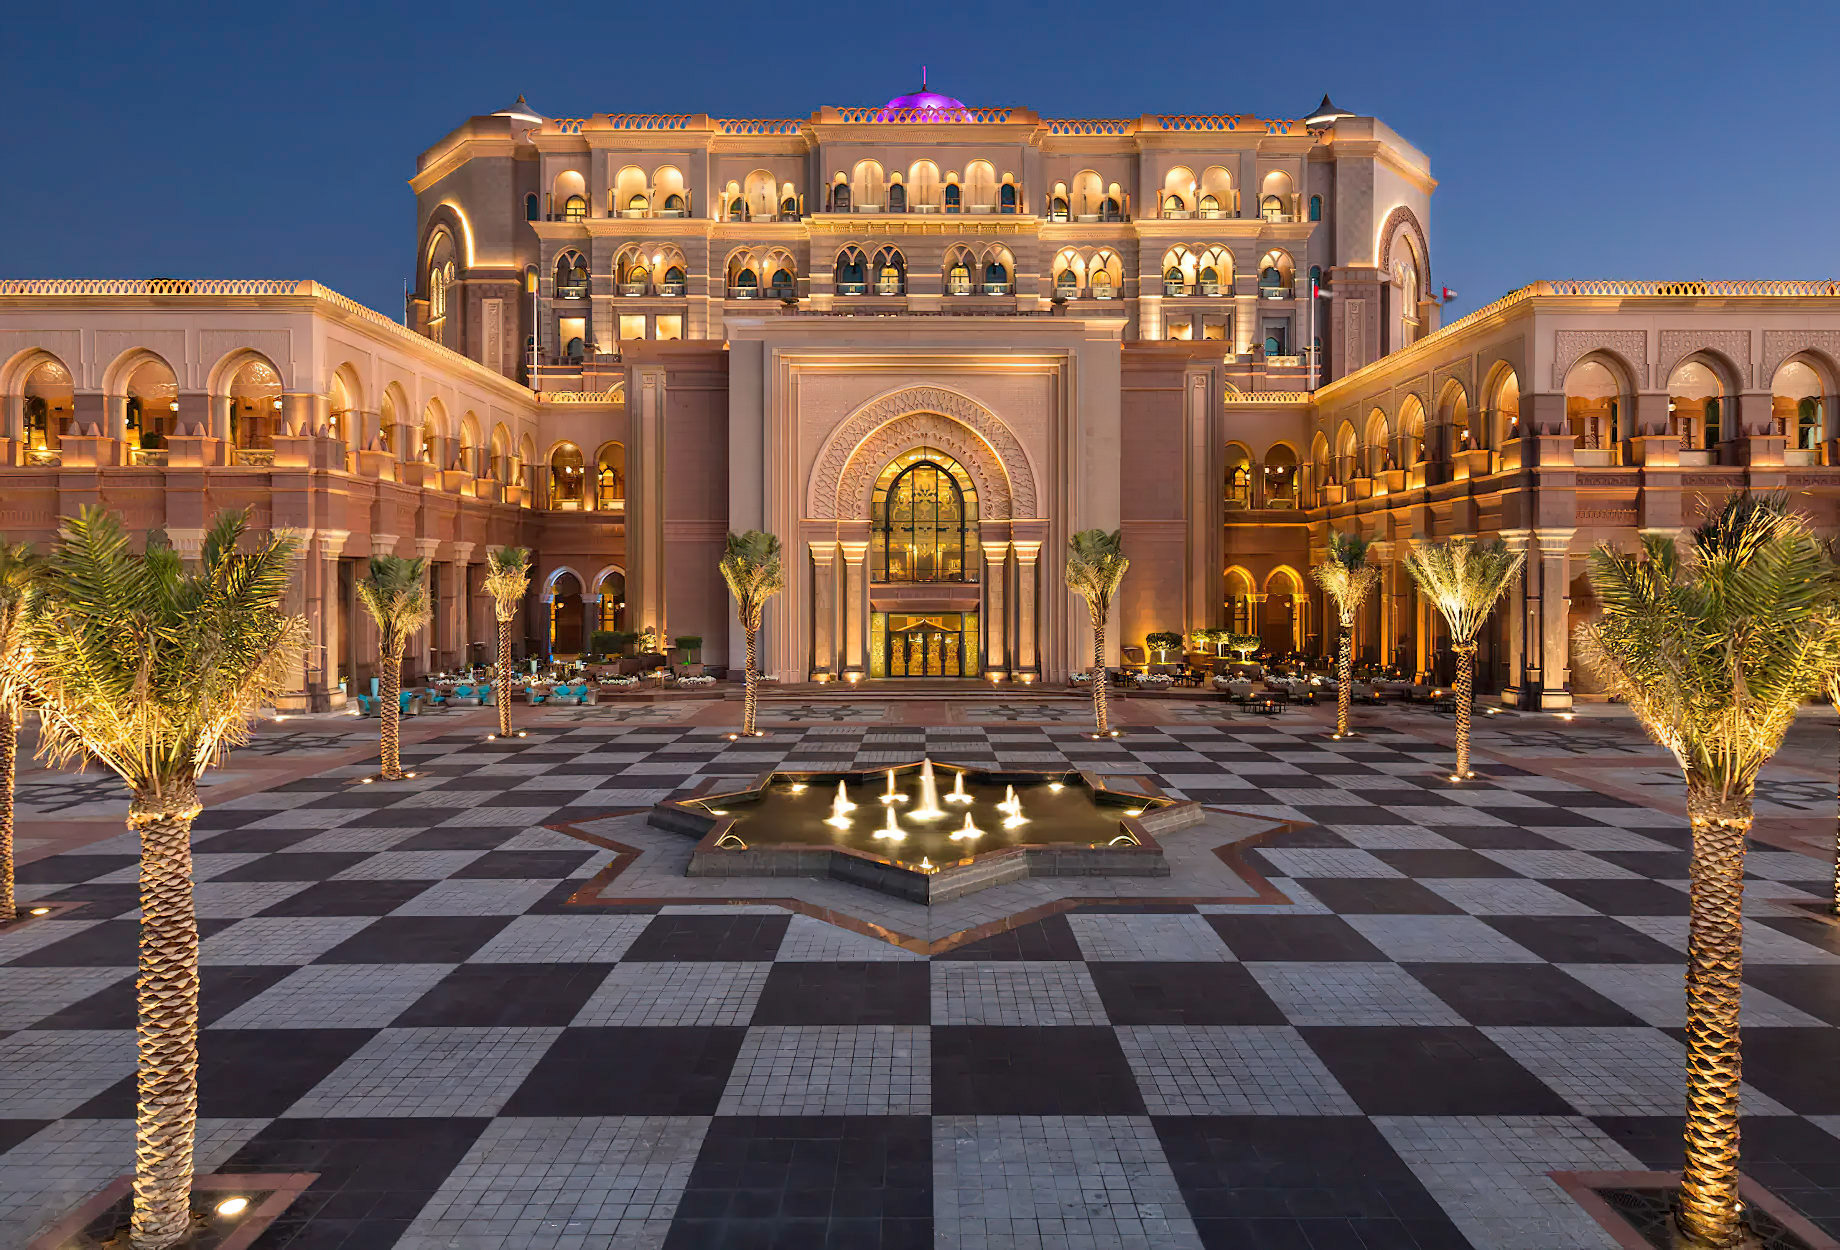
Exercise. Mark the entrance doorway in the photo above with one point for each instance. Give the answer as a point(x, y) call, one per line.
point(933, 644)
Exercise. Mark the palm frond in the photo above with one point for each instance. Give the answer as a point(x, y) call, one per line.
point(507, 579)
point(1463, 579)
point(1345, 574)
point(150, 667)
point(1096, 565)
point(396, 596)
point(1716, 652)
point(754, 571)
point(20, 568)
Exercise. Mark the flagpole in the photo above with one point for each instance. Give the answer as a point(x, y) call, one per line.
point(1314, 365)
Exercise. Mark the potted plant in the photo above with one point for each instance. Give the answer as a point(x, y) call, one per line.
point(602, 642)
point(1162, 643)
point(691, 646)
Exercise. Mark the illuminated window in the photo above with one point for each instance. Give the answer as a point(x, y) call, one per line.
point(923, 513)
point(632, 326)
point(566, 479)
point(1057, 209)
point(610, 476)
point(1210, 207)
point(671, 326)
point(783, 286)
point(575, 209)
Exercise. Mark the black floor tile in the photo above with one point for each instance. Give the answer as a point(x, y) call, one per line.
point(96, 900)
point(747, 936)
point(295, 866)
point(12, 1132)
point(109, 944)
point(1623, 898)
point(524, 865)
point(1373, 896)
point(223, 988)
point(1497, 838)
point(810, 1181)
point(455, 838)
point(252, 841)
point(348, 898)
point(71, 869)
point(1803, 928)
point(871, 992)
point(1018, 1070)
point(251, 1073)
point(506, 996)
point(1510, 995)
point(1294, 938)
point(1182, 993)
point(1436, 864)
point(1050, 938)
point(416, 940)
point(1430, 1071)
point(1813, 988)
point(373, 1175)
point(1793, 1066)
point(630, 1071)
point(1584, 940)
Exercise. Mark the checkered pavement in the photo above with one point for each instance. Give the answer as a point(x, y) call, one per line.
point(1469, 988)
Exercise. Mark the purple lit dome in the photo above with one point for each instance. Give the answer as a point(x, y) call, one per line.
point(925, 101)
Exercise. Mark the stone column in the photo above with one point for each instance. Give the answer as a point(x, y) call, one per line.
point(1027, 585)
point(996, 653)
point(1515, 606)
point(325, 627)
point(298, 601)
point(856, 607)
point(1555, 610)
point(420, 659)
point(824, 607)
point(460, 633)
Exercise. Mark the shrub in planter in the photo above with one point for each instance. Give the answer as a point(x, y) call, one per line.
point(691, 645)
point(1161, 644)
point(1242, 645)
point(602, 641)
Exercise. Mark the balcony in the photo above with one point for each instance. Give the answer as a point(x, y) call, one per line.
point(996, 288)
point(672, 288)
point(1276, 292)
point(868, 208)
point(1275, 217)
point(1102, 292)
point(632, 288)
point(923, 208)
point(887, 286)
point(572, 290)
point(1214, 214)
point(1175, 290)
point(150, 457)
point(1177, 214)
point(673, 212)
point(1210, 289)
point(852, 288)
point(958, 286)
point(744, 292)
point(635, 214)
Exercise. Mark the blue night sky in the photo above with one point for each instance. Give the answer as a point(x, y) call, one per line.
point(1571, 140)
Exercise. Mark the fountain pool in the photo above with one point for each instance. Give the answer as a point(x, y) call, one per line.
point(929, 831)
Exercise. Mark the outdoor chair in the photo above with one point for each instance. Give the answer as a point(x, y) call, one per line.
point(1240, 692)
point(1364, 692)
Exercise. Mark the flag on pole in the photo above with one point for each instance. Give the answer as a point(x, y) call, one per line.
point(1319, 291)
point(1449, 295)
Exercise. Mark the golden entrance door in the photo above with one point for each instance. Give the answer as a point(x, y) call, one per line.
point(937, 644)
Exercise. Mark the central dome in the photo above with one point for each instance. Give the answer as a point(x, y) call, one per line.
point(925, 101)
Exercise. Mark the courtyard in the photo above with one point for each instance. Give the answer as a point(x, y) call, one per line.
point(484, 1008)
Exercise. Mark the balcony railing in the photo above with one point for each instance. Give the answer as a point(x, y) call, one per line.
point(1210, 288)
point(1213, 214)
point(672, 288)
point(1276, 292)
point(635, 214)
point(257, 457)
point(744, 292)
point(152, 457)
point(632, 288)
point(1175, 289)
point(852, 288)
point(1277, 218)
point(887, 286)
point(572, 290)
point(1102, 292)
point(958, 286)
point(1067, 292)
point(996, 288)
point(1177, 214)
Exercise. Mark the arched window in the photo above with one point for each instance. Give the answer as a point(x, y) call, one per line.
point(897, 198)
point(1174, 207)
point(1210, 281)
point(1067, 284)
point(890, 272)
point(673, 281)
point(1239, 477)
point(996, 278)
point(737, 209)
point(610, 477)
point(840, 197)
point(954, 197)
point(1006, 198)
point(1271, 208)
point(783, 286)
point(571, 276)
point(673, 206)
point(1315, 279)
point(789, 207)
point(566, 479)
point(637, 206)
point(958, 280)
point(1173, 283)
point(1316, 208)
point(530, 207)
point(575, 209)
point(1100, 284)
point(1808, 423)
point(1210, 207)
point(1280, 477)
point(1110, 210)
point(575, 350)
point(852, 274)
point(924, 517)
point(747, 285)
point(1057, 208)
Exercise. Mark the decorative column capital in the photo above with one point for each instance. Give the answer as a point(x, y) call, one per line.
point(854, 552)
point(1027, 552)
point(332, 543)
point(994, 552)
point(426, 547)
point(383, 544)
point(463, 552)
point(824, 552)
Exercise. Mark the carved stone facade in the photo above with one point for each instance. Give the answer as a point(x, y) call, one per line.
point(856, 451)
point(1733, 345)
point(1571, 346)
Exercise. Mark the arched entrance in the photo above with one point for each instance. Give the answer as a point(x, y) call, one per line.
point(923, 568)
point(565, 616)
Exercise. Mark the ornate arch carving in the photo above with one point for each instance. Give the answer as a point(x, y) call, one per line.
point(858, 449)
point(1404, 218)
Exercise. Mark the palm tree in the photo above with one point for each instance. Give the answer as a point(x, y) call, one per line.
point(1464, 580)
point(507, 581)
point(18, 571)
point(1347, 578)
point(155, 670)
point(396, 596)
point(754, 572)
point(1714, 652)
point(1095, 567)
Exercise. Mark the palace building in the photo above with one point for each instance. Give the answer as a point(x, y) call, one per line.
point(922, 343)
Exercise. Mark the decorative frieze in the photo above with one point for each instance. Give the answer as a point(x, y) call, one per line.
point(1571, 346)
point(1677, 345)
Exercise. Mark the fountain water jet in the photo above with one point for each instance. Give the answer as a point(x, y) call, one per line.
point(891, 831)
point(893, 795)
point(843, 803)
point(1011, 805)
point(929, 808)
point(969, 832)
point(958, 794)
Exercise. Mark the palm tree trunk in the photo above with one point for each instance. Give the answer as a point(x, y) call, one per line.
point(1098, 681)
point(1465, 691)
point(166, 1116)
point(390, 708)
point(1344, 678)
point(9, 743)
point(501, 680)
point(1715, 964)
point(751, 700)
point(1833, 907)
